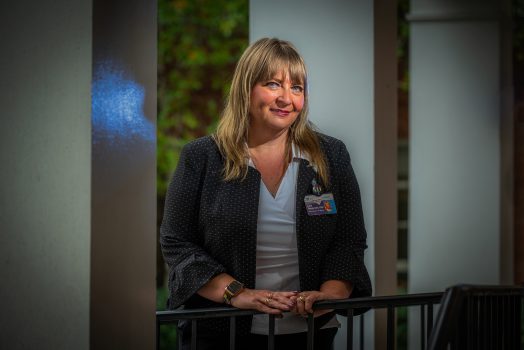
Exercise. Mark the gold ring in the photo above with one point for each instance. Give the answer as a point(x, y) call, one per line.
point(301, 299)
point(270, 296)
point(267, 300)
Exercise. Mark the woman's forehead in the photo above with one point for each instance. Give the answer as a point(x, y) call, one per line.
point(284, 73)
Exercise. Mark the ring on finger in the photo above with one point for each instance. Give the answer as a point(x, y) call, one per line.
point(301, 299)
point(267, 301)
point(270, 296)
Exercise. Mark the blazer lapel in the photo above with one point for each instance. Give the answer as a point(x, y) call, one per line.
point(306, 174)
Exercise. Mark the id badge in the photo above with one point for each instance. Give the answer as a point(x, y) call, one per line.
point(320, 205)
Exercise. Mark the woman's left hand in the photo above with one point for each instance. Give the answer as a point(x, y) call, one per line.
point(305, 301)
point(331, 289)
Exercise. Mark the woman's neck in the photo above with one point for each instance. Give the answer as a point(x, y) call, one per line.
point(267, 141)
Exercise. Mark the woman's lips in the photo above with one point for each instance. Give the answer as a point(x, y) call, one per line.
point(280, 112)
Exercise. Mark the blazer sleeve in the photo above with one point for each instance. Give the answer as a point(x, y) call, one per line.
point(345, 257)
point(182, 245)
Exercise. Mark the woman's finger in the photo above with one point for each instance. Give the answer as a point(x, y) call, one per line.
point(284, 302)
point(261, 306)
point(310, 298)
point(301, 300)
point(279, 303)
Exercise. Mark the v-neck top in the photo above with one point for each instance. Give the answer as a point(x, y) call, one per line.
point(277, 254)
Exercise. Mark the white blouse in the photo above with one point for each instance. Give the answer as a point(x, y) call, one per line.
point(277, 253)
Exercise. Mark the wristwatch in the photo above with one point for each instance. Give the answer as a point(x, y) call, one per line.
point(232, 290)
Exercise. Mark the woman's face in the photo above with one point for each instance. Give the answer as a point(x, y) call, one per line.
point(275, 103)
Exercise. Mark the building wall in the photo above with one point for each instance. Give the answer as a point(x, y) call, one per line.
point(45, 157)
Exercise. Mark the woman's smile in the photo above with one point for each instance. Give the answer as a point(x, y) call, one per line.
point(280, 112)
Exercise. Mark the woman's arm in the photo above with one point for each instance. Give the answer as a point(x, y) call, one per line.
point(344, 260)
point(190, 265)
point(261, 300)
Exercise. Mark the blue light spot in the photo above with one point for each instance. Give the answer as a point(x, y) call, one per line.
point(118, 108)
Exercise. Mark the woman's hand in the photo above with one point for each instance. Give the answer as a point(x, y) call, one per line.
point(265, 301)
point(305, 301)
point(332, 289)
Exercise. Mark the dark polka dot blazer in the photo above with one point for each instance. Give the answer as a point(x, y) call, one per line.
point(210, 226)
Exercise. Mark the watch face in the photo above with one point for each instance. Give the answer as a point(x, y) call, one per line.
point(235, 287)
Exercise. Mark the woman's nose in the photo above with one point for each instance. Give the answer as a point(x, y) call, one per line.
point(285, 96)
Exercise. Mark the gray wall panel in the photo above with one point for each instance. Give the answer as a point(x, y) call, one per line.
point(45, 153)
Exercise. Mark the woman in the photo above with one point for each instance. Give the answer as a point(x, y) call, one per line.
point(266, 213)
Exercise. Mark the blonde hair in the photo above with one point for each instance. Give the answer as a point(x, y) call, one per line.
point(262, 61)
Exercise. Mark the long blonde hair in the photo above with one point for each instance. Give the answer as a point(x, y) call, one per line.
point(261, 61)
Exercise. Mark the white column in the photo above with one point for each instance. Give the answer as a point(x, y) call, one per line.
point(336, 40)
point(454, 217)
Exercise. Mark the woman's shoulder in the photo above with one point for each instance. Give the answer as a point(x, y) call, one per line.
point(329, 143)
point(205, 143)
point(202, 149)
point(202, 145)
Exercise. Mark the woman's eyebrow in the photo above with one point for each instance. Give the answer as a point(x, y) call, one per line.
point(281, 80)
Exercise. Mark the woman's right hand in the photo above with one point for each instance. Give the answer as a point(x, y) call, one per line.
point(265, 301)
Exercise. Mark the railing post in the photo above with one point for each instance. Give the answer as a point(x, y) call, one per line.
point(232, 332)
point(271, 333)
point(430, 321)
point(349, 330)
point(361, 331)
point(391, 328)
point(193, 335)
point(422, 327)
point(310, 332)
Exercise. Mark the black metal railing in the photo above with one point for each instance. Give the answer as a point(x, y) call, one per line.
point(479, 317)
point(425, 301)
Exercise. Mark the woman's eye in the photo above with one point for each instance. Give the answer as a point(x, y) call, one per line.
point(272, 84)
point(297, 88)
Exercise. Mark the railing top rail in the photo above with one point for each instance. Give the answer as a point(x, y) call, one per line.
point(481, 290)
point(367, 302)
point(192, 314)
point(379, 302)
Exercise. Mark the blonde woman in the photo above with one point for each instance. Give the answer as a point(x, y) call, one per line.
point(265, 214)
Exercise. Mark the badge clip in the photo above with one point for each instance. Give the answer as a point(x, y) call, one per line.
point(317, 189)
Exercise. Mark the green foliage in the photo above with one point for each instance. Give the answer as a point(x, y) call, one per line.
point(199, 43)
